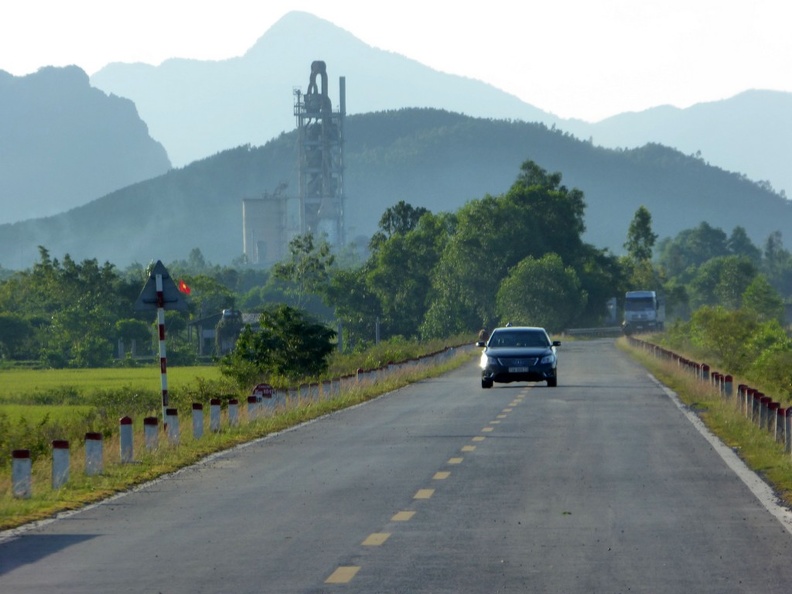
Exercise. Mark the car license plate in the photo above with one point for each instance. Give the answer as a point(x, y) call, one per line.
point(519, 369)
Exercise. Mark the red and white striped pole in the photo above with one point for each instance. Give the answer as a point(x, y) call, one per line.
point(163, 357)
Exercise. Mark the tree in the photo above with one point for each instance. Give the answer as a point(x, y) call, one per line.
point(15, 332)
point(289, 345)
point(691, 248)
point(356, 306)
point(722, 281)
point(400, 272)
point(396, 220)
point(761, 298)
point(308, 268)
point(640, 237)
point(739, 244)
point(536, 216)
point(541, 292)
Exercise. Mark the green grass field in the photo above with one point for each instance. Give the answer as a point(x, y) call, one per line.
point(17, 384)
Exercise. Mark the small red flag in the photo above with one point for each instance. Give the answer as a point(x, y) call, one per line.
point(183, 287)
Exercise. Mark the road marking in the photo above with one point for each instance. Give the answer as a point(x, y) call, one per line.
point(343, 575)
point(424, 494)
point(760, 489)
point(507, 410)
point(501, 416)
point(403, 516)
point(455, 460)
point(440, 476)
point(468, 448)
point(479, 438)
point(376, 539)
point(487, 429)
point(494, 422)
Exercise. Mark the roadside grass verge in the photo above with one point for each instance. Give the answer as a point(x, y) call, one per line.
point(756, 447)
point(81, 490)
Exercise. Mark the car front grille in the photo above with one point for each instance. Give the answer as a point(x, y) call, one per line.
point(518, 362)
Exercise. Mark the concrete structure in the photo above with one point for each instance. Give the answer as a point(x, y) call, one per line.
point(273, 220)
point(321, 157)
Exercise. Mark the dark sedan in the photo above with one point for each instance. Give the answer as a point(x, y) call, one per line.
point(519, 354)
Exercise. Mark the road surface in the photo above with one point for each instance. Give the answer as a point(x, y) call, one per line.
point(599, 485)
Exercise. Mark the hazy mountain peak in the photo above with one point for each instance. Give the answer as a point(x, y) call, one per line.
point(197, 108)
point(65, 143)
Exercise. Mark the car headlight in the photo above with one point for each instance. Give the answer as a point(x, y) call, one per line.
point(547, 359)
point(487, 361)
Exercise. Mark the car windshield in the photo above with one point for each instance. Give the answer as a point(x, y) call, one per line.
point(518, 339)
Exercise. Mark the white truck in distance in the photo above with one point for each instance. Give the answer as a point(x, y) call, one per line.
point(644, 311)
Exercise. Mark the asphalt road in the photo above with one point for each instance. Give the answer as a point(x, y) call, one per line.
point(599, 485)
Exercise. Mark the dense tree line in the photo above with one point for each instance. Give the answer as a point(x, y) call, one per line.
point(518, 256)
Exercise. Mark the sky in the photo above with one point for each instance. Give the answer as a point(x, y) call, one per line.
point(585, 59)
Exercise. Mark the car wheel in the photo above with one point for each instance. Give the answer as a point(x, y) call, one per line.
point(485, 384)
point(552, 382)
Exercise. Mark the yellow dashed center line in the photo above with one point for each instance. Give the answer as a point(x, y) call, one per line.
point(468, 448)
point(455, 460)
point(479, 438)
point(507, 410)
point(403, 516)
point(486, 429)
point(440, 476)
point(494, 422)
point(501, 416)
point(343, 575)
point(424, 494)
point(376, 539)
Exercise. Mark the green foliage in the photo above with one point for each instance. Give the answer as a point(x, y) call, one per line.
point(763, 300)
point(536, 216)
point(396, 220)
point(541, 292)
point(288, 345)
point(640, 237)
point(725, 335)
point(399, 273)
point(15, 332)
point(722, 281)
point(308, 268)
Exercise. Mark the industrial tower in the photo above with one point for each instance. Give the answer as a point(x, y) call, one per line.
point(321, 157)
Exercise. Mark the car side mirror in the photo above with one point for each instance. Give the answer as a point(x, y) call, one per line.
point(556, 343)
point(480, 343)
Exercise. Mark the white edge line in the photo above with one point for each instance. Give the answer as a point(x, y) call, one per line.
point(761, 490)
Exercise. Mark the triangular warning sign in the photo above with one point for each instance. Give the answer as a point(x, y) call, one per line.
point(172, 298)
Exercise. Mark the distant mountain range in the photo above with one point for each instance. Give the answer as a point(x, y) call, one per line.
point(90, 163)
point(197, 108)
point(64, 143)
point(430, 158)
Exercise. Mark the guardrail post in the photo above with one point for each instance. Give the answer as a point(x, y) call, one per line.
point(126, 440)
point(780, 425)
point(60, 463)
point(94, 454)
point(172, 423)
point(20, 473)
point(151, 432)
point(214, 415)
point(729, 385)
point(233, 412)
point(772, 416)
point(197, 420)
point(756, 407)
point(252, 405)
point(788, 430)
